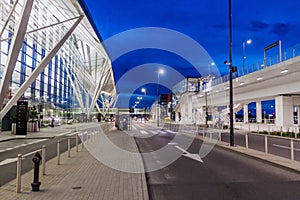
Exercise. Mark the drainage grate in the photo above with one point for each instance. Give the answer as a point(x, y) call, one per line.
point(76, 187)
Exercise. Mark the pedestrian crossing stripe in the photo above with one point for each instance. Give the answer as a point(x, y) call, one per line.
point(144, 132)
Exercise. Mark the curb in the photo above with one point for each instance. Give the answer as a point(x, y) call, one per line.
point(223, 146)
point(258, 158)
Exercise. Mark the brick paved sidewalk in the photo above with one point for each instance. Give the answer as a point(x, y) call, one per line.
point(83, 177)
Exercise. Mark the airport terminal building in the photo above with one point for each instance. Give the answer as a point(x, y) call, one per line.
point(52, 57)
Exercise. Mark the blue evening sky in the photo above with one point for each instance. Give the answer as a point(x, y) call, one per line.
point(205, 21)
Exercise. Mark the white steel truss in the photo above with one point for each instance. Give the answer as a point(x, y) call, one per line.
point(85, 62)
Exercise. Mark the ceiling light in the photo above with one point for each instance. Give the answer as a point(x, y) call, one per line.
point(242, 83)
point(259, 78)
point(284, 71)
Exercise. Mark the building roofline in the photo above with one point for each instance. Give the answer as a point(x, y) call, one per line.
point(89, 16)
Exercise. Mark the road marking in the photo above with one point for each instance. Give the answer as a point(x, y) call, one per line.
point(172, 143)
point(169, 131)
point(154, 132)
point(285, 147)
point(22, 145)
point(181, 149)
point(163, 132)
point(9, 160)
point(144, 132)
point(193, 156)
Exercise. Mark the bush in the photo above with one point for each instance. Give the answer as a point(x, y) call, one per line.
point(276, 133)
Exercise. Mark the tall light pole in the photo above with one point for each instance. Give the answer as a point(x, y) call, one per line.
point(230, 75)
point(144, 91)
point(244, 47)
point(159, 71)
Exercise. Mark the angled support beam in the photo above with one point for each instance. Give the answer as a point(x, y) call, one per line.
point(75, 87)
point(41, 28)
point(98, 108)
point(14, 50)
point(8, 18)
point(97, 91)
point(115, 100)
point(39, 68)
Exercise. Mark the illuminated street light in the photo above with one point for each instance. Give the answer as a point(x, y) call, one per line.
point(244, 47)
point(159, 71)
point(144, 91)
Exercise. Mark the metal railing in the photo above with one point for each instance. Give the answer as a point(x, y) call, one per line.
point(87, 136)
point(287, 54)
point(216, 134)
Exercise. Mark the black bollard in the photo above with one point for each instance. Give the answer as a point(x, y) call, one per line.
point(36, 160)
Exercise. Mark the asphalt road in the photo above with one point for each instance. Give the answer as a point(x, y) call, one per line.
point(276, 145)
point(224, 174)
point(280, 146)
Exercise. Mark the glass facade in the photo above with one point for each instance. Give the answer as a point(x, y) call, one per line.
point(76, 66)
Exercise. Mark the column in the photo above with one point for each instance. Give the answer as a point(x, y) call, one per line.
point(298, 115)
point(284, 111)
point(246, 113)
point(183, 113)
point(258, 112)
point(189, 109)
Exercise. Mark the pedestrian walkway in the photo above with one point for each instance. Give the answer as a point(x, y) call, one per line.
point(83, 177)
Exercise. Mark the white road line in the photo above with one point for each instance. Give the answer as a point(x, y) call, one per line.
point(144, 132)
point(7, 161)
point(7, 149)
point(172, 143)
point(154, 132)
point(169, 131)
point(181, 149)
point(285, 147)
point(193, 156)
point(163, 132)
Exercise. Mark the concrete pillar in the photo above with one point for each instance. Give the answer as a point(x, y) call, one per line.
point(183, 113)
point(284, 111)
point(298, 115)
point(213, 114)
point(258, 112)
point(246, 113)
point(189, 109)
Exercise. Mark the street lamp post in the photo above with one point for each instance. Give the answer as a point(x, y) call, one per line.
point(159, 71)
point(230, 75)
point(144, 91)
point(244, 47)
